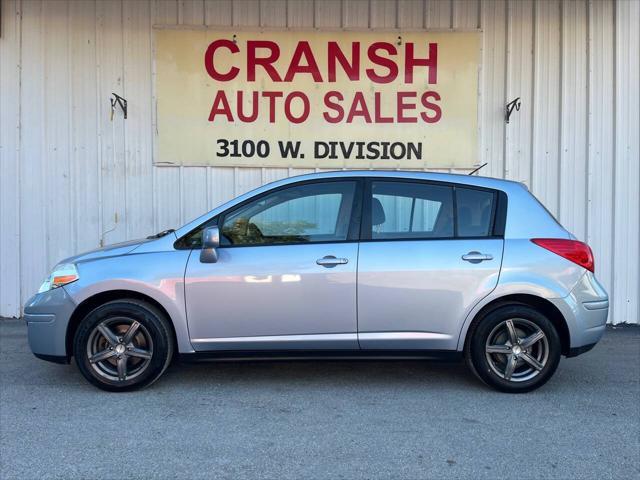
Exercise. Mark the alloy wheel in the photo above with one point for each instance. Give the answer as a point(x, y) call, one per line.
point(517, 350)
point(119, 349)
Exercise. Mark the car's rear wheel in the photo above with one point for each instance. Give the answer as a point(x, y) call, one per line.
point(514, 349)
point(123, 345)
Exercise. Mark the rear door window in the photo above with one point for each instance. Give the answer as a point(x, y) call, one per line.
point(474, 212)
point(409, 210)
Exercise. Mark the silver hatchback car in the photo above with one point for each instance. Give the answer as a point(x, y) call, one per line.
point(338, 264)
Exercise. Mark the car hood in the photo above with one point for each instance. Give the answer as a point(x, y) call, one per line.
point(114, 250)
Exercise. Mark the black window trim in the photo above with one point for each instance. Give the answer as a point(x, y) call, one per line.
point(352, 231)
point(497, 222)
point(360, 224)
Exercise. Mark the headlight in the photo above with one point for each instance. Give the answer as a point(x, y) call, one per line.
point(62, 274)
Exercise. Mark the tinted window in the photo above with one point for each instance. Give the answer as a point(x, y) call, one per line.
point(194, 238)
point(474, 208)
point(316, 212)
point(411, 210)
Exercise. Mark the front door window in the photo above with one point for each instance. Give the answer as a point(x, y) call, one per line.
point(308, 213)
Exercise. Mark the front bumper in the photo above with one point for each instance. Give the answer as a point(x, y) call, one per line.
point(47, 315)
point(585, 310)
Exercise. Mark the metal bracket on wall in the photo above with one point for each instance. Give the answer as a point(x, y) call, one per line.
point(120, 101)
point(510, 106)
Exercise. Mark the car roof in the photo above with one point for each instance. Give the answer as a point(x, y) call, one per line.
point(464, 179)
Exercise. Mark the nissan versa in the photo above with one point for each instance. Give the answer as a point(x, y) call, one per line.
point(338, 264)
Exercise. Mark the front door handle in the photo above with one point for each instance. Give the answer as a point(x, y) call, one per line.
point(330, 261)
point(476, 257)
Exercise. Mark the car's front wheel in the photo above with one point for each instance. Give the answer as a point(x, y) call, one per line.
point(123, 345)
point(514, 349)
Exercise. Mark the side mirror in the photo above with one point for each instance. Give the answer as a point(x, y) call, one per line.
point(210, 242)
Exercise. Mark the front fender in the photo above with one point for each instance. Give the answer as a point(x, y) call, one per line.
point(158, 275)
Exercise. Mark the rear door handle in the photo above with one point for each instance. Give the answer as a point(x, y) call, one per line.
point(330, 261)
point(476, 257)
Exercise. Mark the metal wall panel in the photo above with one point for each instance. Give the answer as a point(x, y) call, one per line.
point(518, 138)
point(139, 205)
point(168, 189)
point(328, 14)
point(10, 171)
point(245, 13)
point(600, 137)
point(35, 196)
point(216, 12)
point(411, 14)
point(439, 14)
point(166, 11)
point(86, 206)
point(191, 12)
point(72, 178)
point(626, 214)
point(273, 13)
point(573, 118)
point(194, 198)
point(383, 14)
point(466, 13)
point(300, 13)
point(355, 13)
point(545, 164)
point(221, 185)
point(493, 84)
point(111, 130)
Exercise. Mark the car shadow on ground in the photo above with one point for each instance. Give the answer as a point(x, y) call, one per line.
point(388, 373)
point(274, 374)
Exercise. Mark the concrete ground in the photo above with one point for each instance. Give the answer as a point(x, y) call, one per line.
point(331, 419)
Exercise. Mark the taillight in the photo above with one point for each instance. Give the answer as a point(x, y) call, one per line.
point(572, 250)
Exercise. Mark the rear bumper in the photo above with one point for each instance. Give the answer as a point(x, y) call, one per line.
point(574, 352)
point(47, 315)
point(585, 310)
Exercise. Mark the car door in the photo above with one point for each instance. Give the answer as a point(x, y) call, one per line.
point(286, 272)
point(430, 251)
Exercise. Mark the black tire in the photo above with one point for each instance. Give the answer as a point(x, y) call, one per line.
point(487, 365)
point(153, 337)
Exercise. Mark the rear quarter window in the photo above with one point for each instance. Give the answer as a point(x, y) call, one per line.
point(474, 210)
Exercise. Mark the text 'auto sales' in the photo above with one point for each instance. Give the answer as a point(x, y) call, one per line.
point(378, 63)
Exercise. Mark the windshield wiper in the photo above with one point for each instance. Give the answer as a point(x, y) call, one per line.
point(161, 234)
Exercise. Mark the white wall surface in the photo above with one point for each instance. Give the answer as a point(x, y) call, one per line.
point(71, 179)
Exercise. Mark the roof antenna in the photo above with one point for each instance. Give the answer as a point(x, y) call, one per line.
point(474, 171)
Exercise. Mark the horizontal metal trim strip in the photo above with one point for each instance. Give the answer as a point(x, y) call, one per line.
point(299, 355)
point(328, 337)
point(403, 336)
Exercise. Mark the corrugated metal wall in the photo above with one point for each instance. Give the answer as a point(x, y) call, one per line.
point(71, 179)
